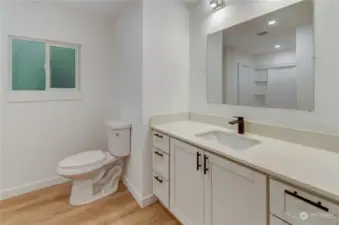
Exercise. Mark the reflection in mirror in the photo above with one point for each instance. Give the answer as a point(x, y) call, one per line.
point(264, 62)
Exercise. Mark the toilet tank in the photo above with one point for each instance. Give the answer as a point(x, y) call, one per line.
point(119, 138)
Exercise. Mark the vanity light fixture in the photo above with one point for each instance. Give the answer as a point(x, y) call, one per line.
point(216, 4)
point(277, 46)
point(272, 22)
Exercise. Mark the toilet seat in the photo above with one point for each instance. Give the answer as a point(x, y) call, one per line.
point(83, 159)
point(84, 162)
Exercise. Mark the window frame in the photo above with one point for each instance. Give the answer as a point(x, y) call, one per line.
point(49, 94)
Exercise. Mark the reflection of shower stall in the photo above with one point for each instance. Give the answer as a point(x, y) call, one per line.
point(245, 88)
point(267, 86)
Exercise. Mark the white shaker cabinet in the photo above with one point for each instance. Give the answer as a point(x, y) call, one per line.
point(207, 189)
point(202, 188)
point(186, 189)
point(234, 194)
point(161, 158)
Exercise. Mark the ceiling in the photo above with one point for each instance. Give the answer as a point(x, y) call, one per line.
point(243, 37)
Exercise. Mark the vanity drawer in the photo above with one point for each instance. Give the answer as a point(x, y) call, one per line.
point(296, 206)
point(161, 141)
point(161, 163)
point(161, 189)
point(276, 221)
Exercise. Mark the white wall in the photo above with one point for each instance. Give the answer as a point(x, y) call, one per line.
point(215, 77)
point(305, 67)
point(37, 135)
point(282, 88)
point(152, 50)
point(231, 75)
point(1, 98)
point(128, 60)
point(245, 85)
point(165, 67)
point(165, 58)
point(324, 118)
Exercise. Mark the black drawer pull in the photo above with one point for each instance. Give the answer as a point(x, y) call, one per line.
point(159, 154)
point(158, 135)
point(205, 164)
point(318, 204)
point(198, 161)
point(158, 179)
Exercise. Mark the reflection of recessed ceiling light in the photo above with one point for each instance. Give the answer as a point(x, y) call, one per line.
point(277, 46)
point(216, 4)
point(272, 22)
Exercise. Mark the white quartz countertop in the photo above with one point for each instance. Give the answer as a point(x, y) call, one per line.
point(307, 167)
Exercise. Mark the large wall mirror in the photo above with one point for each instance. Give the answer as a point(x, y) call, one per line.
point(264, 62)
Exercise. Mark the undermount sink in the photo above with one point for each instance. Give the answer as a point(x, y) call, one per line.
point(234, 141)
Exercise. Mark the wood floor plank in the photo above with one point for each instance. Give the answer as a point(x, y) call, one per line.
point(50, 206)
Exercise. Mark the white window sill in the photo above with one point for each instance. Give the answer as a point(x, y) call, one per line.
point(44, 96)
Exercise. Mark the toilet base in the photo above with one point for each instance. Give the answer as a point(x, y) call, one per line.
point(105, 183)
point(81, 195)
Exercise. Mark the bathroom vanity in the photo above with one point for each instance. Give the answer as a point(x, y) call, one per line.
point(209, 175)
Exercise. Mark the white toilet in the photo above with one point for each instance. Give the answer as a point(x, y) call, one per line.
point(96, 173)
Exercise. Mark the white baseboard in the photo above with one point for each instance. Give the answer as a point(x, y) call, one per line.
point(148, 200)
point(142, 201)
point(5, 194)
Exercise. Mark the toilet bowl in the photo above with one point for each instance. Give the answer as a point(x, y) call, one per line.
point(96, 173)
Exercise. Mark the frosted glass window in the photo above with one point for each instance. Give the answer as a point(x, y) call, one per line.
point(63, 67)
point(28, 65)
point(43, 65)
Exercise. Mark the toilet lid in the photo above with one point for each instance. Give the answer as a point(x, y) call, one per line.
point(83, 159)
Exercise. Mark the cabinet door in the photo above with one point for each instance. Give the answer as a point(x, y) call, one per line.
point(186, 192)
point(234, 194)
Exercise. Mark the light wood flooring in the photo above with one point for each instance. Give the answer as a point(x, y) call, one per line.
point(50, 206)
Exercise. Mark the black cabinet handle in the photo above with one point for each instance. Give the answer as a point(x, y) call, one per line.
point(198, 161)
point(205, 164)
point(158, 135)
point(318, 205)
point(159, 154)
point(158, 179)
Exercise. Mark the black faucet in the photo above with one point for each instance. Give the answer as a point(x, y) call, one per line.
point(241, 124)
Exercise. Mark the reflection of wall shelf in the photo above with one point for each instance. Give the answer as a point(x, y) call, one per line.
point(277, 66)
point(260, 88)
point(260, 94)
point(260, 77)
